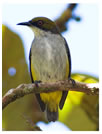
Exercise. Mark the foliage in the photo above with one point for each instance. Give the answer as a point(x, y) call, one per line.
point(13, 57)
point(81, 110)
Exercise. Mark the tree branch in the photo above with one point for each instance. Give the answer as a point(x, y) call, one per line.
point(66, 16)
point(24, 89)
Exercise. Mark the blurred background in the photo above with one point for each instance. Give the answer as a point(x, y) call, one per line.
point(78, 23)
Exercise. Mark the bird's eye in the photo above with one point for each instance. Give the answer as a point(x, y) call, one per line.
point(40, 22)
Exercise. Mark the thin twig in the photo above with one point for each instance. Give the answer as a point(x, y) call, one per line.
point(66, 16)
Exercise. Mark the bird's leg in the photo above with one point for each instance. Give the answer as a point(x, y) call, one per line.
point(36, 82)
point(72, 81)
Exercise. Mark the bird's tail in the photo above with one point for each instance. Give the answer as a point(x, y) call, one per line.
point(51, 116)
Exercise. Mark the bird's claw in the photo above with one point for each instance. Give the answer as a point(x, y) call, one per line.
point(36, 82)
point(72, 81)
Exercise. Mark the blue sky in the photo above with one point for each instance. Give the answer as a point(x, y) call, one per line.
point(82, 36)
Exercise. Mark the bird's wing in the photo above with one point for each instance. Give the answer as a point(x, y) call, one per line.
point(42, 104)
point(64, 94)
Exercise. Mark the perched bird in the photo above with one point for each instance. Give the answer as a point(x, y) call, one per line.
point(50, 61)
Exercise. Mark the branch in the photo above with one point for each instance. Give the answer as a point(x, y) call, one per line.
point(32, 125)
point(65, 16)
point(24, 89)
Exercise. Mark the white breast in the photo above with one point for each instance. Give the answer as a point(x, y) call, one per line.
point(49, 57)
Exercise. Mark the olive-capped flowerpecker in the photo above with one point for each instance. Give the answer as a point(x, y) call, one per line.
point(50, 61)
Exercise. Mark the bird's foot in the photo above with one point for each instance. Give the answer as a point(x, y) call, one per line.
point(72, 81)
point(36, 82)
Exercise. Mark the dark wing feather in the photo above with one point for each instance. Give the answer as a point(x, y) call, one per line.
point(42, 105)
point(64, 94)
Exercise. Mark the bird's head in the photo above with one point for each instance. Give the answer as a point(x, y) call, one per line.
point(41, 24)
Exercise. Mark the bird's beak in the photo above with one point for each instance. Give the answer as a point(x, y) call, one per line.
point(24, 23)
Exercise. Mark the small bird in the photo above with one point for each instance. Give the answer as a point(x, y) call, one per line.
point(50, 61)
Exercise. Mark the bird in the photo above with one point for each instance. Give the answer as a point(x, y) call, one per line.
point(50, 61)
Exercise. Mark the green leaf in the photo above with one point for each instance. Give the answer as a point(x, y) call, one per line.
point(15, 72)
point(80, 112)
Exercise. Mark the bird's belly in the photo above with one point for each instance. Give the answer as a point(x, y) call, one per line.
point(50, 64)
point(49, 70)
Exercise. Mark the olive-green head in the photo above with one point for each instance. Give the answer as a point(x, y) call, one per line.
point(42, 23)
